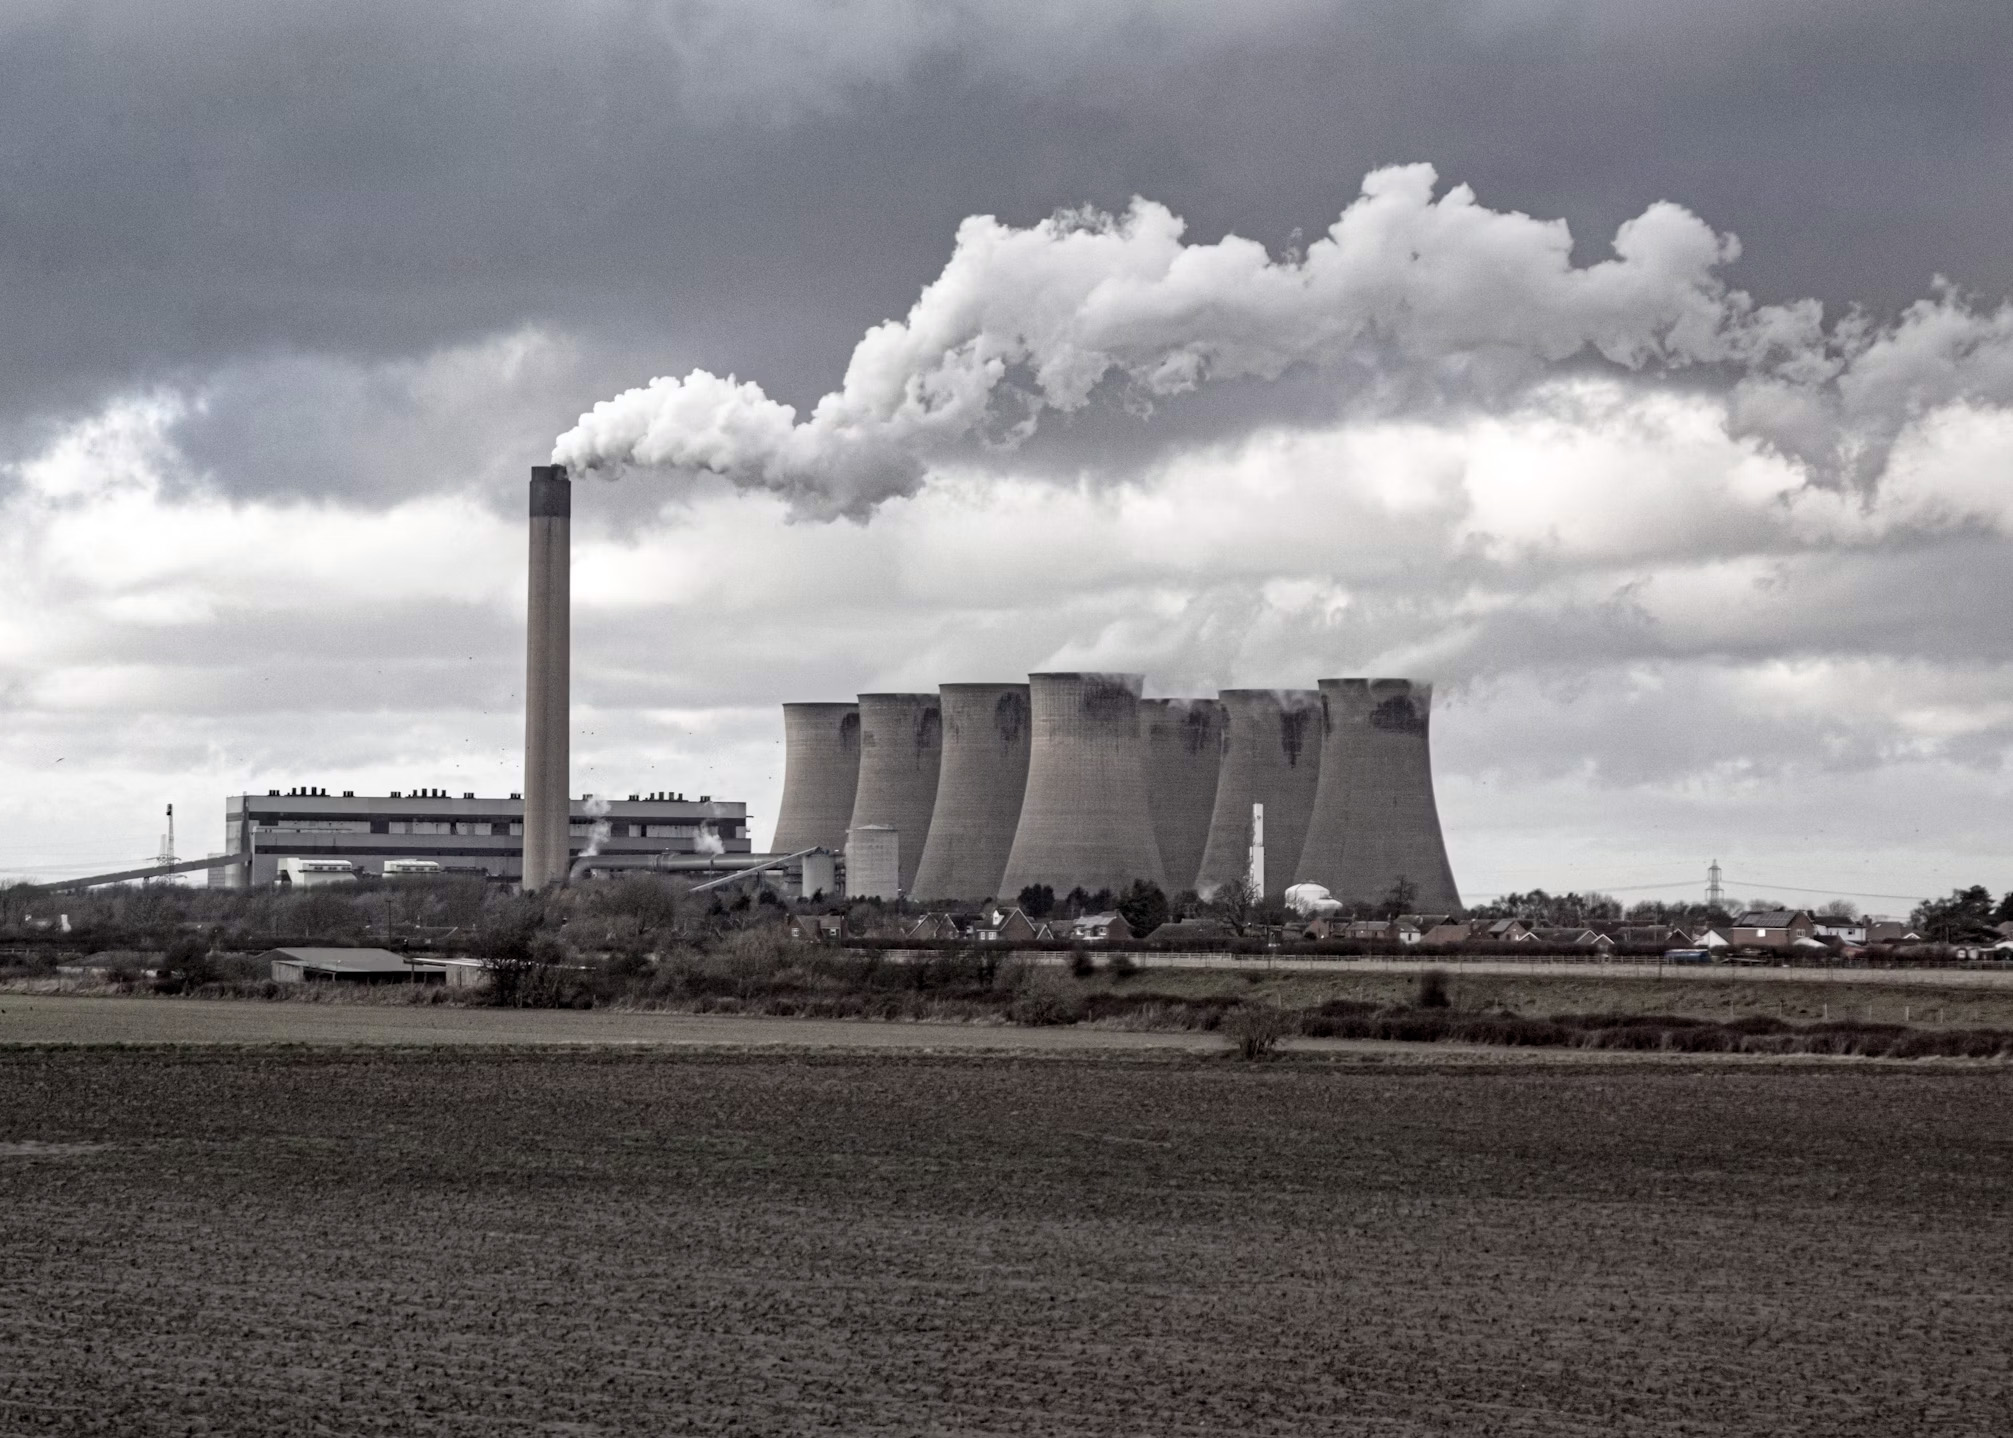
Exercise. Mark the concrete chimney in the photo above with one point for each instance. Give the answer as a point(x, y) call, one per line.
point(1084, 823)
point(1184, 751)
point(548, 651)
point(821, 777)
point(1375, 821)
point(979, 793)
point(1271, 756)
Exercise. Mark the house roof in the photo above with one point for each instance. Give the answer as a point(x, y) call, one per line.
point(1769, 918)
point(1648, 933)
point(1192, 929)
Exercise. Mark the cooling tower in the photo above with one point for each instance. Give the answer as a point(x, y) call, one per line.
point(821, 776)
point(548, 660)
point(901, 740)
point(984, 775)
point(1375, 821)
point(1184, 746)
point(1084, 822)
point(1271, 756)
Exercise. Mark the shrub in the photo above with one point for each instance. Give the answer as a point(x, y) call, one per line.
point(1256, 1030)
point(1433, 990)
point(1121, 965)
point(1041, 1005)
point(1080, 962)
point(186, 965)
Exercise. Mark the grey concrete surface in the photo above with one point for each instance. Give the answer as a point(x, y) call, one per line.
point(987, 734)
point(1375, 820)
point(901, 752)
point(1271, 756)
point(1184, 755)
point(1085, 821)
point(821, 777)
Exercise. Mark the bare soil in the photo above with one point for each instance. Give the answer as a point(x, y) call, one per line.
point(473, 1240)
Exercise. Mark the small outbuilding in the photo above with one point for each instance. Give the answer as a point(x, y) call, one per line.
point(351, 966)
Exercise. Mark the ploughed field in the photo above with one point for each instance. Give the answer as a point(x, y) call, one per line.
point(463, 1241)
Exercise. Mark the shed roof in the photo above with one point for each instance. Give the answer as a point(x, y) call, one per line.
point(351, 961)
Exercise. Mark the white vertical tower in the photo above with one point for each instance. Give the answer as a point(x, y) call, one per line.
point(1256, 870)
point(548, 660)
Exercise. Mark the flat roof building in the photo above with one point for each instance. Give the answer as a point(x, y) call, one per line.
point(465, 835)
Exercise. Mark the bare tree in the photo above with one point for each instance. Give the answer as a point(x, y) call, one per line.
point(1235, 903)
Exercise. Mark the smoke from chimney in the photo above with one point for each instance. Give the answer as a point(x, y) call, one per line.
point(1406, 299)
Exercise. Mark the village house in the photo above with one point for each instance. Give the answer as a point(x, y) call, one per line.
point(1771, 928)
point(818, 928)
point(1569, 937)
point(1099, 929)
point(1010, 926)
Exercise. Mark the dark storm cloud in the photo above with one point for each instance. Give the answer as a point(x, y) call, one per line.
point(195, 188)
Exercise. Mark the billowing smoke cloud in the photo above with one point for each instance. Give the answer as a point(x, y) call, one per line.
point(1407, 299)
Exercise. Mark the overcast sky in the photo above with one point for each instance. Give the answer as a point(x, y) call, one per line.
point(1700, 525)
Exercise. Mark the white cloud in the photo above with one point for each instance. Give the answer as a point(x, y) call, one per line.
point(1657, 636)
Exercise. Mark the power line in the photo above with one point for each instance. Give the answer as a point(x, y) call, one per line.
point(1840, 892)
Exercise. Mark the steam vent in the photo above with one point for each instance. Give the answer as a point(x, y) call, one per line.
point(1085, 820)
point(821, 774)
point(985, 759)
point(1375, 821)
point(1271, 756)
point(547, 679)
point(1184, 743)
point(901, 742)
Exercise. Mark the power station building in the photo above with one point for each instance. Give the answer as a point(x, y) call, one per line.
point(1076, 781)
point(466, 834)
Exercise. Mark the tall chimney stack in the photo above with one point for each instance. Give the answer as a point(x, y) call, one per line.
point(548, 680)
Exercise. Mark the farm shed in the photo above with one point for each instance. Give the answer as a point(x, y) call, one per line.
point(350, 966)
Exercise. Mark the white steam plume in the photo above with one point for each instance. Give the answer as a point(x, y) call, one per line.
point(1405, 293)
point(597, 810)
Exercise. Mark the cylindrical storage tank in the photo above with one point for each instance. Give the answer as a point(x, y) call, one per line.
point(1084, 822)
point(901, 742)
point(821, 777)
point(979, 791)
point(1271, 756)
point(1184, 750)
point(873, 862)
point(548, 661)
point(1375, 820)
